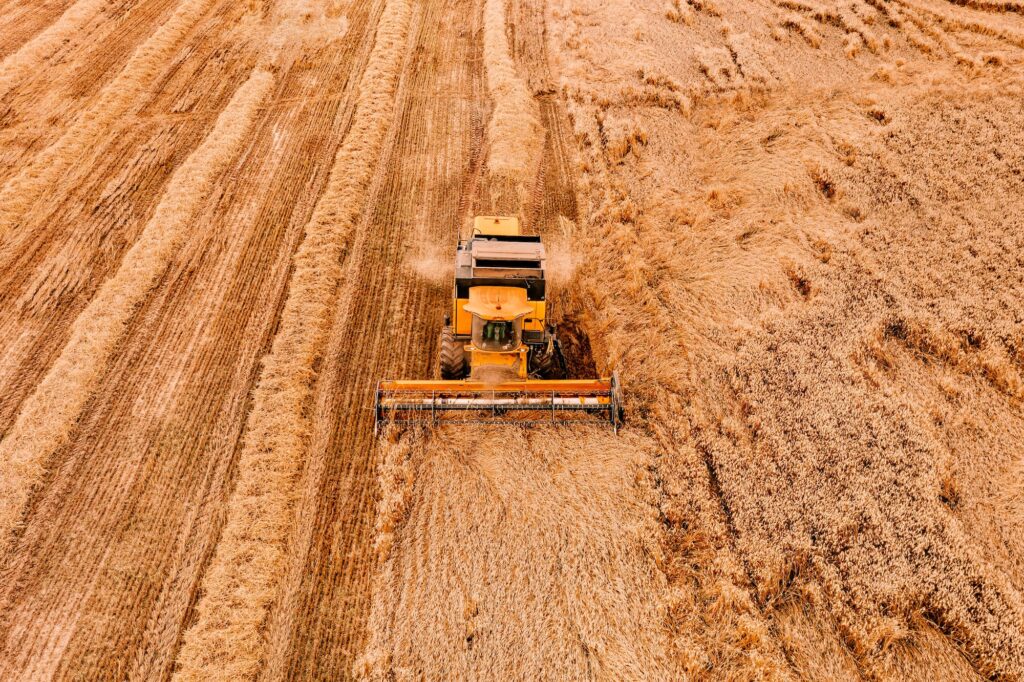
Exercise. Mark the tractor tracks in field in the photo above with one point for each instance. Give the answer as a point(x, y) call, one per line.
point(60, 73)
point(119, 96)
point(385, 325)
point(48, 416)
point(245, 574)
point(72, 240)
point(20, 22)
point(102, 580)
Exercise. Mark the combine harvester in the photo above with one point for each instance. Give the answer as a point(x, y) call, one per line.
point(498, 352)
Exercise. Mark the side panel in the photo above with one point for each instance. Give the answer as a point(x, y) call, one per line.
point(534, 321)
point(462, 322)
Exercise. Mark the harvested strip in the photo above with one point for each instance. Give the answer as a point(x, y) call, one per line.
point(227, 640)
point(116, 98)
point(51, 412)
point(32, 54)
point(514, 131)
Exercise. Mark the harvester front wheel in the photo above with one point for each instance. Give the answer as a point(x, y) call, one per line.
point(453, 356)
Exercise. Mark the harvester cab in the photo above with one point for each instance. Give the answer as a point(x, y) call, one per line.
point(498, 329)
point(500, 358)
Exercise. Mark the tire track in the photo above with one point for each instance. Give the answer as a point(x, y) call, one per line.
point(19, 22)
point(117, 98)
point(117, 540)
point(48, 416)
point(34, 54)
point(553, 192)
point(97, 210)
point(227, 640)
point(386, 324)
point(38, 105)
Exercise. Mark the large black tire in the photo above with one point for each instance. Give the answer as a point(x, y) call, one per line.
point(453, 356)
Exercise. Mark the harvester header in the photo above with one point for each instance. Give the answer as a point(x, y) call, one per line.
point(500, 358)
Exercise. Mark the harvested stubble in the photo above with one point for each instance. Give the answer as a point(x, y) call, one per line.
point(48, 416)
point(28, 57)
point(103, 580)
point(227, 639)
point(118, 97)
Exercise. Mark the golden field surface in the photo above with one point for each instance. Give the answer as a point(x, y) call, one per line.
point(794, 227)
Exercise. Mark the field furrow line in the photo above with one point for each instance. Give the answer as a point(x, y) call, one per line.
point(118, 540)
point(289, 621)
point(39, 106)
point(50, 413)
point(33, 54)
point(115, 100)
point(227, 640)
point(319, 622)
point(19, 22)
point(74, 237)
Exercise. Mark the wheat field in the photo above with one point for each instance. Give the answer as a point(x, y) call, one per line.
point(794, 227)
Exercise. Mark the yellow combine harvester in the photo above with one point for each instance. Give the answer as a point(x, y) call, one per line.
point(498, 353)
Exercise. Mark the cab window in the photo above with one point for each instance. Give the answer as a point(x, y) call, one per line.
point(496, 335)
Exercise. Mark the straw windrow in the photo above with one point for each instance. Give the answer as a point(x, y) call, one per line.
point(113, 102)
point(227, 640)
point(514, 131)
point(50, 413)
point(18, 65)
